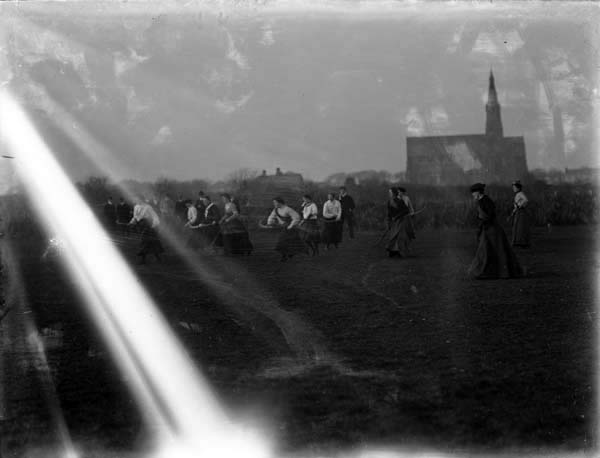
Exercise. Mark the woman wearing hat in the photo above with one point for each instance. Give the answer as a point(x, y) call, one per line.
point(397, 217)
point(520, 217)
point(494, 257)
point(410, 228)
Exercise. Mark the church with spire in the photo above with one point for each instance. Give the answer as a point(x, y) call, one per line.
point(463, 159)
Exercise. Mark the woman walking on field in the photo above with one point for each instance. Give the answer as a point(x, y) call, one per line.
point(287, 220)
point(494, 257)
point(332, 216)
point(520, 218)
point(147, 220)
point(397, 221)
point(402, 194)
point(309, 226)
point(234, 236)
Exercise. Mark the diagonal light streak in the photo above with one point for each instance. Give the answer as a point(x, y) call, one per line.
point(17, 298)
point(161, 374)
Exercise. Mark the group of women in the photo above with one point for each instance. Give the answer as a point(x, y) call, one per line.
point(303, 233)
point(210, 228)
point(494, 257)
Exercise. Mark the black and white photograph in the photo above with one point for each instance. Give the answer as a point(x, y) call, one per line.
point(299, 228)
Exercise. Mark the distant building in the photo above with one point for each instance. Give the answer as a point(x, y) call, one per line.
point(281, 180)
point(356, 178)
point(287, 185)
point(463, 159)
point(575, 176)
point(583, 175)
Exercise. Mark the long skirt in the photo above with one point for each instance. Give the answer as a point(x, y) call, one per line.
point(399, 238)
point(234, 238)
point(332, 232)
point(521, 229)
point(309, 231)
point(494, 257)
point(150, 243)
point(209, 235)
point(290, 243)
point(410, 228)
point(193, 238)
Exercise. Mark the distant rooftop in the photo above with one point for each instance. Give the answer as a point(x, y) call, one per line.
point(279, 173)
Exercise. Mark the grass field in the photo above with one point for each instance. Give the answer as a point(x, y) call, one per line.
point(342, 350)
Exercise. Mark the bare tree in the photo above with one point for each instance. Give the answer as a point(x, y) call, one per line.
point(239, 179)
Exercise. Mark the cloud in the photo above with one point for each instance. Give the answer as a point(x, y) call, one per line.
point(135, 105)
point(355, 73)
point(123, 63)
point(486, 43)
point(513, 41)
point(218, 79)
point(439, 118)
point(228, 106)
point(454, 44)
point(163, 136)
point(414, 122)
point(267, 38)
point(234, 54)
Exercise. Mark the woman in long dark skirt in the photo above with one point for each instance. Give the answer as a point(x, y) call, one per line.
point(332, 222)
point(520, 218)
point(287, 220)
point(494, 257)
point(398, 230)
point(410, 228)
point(309, 226)
point(234, 235)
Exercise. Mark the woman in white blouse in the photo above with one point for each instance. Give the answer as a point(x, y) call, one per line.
point(309, 226)
point(520, 217)
point(287, 220)
point(332, 216)
point(145, 218)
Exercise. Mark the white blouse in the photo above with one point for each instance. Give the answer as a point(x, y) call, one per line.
point(192, 214)
point(332, 209)
point(310, 211)
point(285, 211)
point(520, 200)
point(145, 211)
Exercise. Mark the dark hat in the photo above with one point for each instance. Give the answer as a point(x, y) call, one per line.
point(517, 183)
point(477, 187)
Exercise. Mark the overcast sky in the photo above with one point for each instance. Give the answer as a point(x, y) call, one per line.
point(188, 90)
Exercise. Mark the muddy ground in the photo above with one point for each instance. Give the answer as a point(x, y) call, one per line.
point(333, 352)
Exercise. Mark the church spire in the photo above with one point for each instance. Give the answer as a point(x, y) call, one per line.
point(493, 122)
point(492, 96)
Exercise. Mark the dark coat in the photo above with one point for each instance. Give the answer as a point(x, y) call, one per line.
point(123, 213)
point(396, 209)
point(212, 215)
point(347, 204)
point(110, 213)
